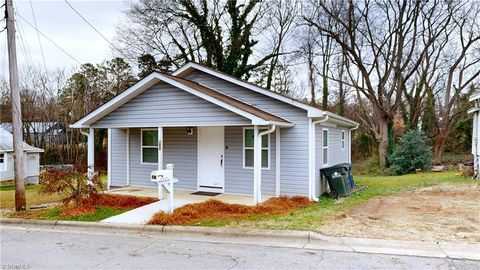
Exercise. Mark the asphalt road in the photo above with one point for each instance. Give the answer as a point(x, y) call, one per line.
point(53, 249)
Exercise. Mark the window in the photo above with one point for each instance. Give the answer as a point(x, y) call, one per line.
point(149, 145)
point(343, 139)
point(325, 146)
point(248, 148)
point(3, 162)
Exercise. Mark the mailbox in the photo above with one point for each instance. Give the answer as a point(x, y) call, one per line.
point(165, 180)
point(161, 176)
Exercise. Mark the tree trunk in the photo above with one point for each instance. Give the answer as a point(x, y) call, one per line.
point(439, 146)
point(382, 139)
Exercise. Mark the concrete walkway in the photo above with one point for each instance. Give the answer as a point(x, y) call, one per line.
point(143, 214)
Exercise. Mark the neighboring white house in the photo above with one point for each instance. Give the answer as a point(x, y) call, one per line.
point(475, 98)
point(223, 134)
point(31, 159)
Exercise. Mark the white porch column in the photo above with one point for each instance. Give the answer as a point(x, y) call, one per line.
point(160, 148)
point(109, 158)
point(90, 156)
point(277, 162)
point(257, 165)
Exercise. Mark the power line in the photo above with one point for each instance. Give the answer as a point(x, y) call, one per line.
point(95, 29)
point(38, 36)
point(56, 45)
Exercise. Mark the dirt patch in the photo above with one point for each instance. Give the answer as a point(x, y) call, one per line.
point(441, 213)
point(217, 210)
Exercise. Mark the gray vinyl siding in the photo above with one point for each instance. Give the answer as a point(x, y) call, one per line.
point(294, 141)
point(237, 179)
point(335, 153)
point(165, 105)
point(118, 160)
point(179, 149)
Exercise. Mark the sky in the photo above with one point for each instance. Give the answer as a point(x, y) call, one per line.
point(57, 21)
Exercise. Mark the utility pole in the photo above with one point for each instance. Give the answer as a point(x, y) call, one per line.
point(20, 203)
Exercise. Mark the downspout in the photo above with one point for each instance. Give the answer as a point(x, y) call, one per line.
point(312, 158)
point(259, 182)
point(350, 143)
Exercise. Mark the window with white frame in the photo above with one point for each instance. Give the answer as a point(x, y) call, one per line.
point(325, 146)
point(3, 162)
point(149, 145)
point(343, 139)
point(248, 148)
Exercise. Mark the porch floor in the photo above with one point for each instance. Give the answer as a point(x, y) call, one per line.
point(143, 214)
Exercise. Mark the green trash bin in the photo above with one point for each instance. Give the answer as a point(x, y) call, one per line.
point(338, 180)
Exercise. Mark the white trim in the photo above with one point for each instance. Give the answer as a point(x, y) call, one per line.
point(277, 162)
point(199, 146)
point(312, 111)
point(342, 140)
point(325, 147)
point(253, 148)
point(128, 156)
point(160, 148)
point(117, 101)
point(142, 146)
point(3, 167)
point(151, 80)
point(350, 143)
point(109, 158)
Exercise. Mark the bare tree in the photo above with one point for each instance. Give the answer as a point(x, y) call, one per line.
point(220, 34)
point(380, 41)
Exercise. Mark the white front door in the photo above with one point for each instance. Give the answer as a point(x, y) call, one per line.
point(211, 155)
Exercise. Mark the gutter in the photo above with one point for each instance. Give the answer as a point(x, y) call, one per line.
point(350, 142)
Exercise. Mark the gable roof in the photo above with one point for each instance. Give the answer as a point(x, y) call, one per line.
point(258, 116)
point(6, 143)
point(229, 100)
point(192, 66)
point(311, 110)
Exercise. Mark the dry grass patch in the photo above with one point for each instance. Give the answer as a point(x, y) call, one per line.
point(217, 210)
point(89, 206)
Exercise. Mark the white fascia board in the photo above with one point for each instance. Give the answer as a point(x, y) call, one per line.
point(146, 83)
point(117, 101)
point(312, 111)
point(474, 96)
point(472, 110)
point(339, 120)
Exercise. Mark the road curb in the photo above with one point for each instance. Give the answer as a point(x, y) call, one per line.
point(278, 238)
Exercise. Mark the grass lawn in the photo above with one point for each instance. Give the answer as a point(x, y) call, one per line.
point(7, 195)
point(312, 217)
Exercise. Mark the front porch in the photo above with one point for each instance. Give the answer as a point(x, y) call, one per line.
point(143, 214)
point(186, 195)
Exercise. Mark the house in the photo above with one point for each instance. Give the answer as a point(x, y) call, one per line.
point(41, 132)
point(31, 159)
point(475, 98)
point(222, 134)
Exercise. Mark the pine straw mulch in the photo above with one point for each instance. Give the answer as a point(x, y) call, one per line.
point(89, 206)
point(217, 210)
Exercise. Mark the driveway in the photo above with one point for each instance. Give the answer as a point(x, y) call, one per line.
point(90, 249)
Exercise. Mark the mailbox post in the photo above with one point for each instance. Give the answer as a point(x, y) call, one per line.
point(165, 180)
